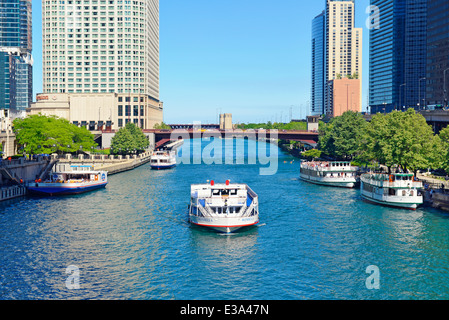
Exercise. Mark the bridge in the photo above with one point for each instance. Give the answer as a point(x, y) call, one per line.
point(306, 137)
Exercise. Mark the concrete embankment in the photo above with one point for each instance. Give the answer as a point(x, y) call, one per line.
point(15, 175)
point(111, 164)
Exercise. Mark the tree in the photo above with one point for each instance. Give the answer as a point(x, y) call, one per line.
point(404, 139)
point(444, 137)
point(123, 142)
point(161, 126)
point(342, 136)
point(48, 134)
point(129, 139)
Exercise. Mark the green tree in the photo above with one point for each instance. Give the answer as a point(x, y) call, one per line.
point(404, 139)
point(140, 139)
point(312, 154)
point(444, 137)
point(48, 134)
point(161, 126)
point(129, 139)
point(343, 136)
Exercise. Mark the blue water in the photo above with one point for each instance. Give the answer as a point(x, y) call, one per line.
point(132, 240)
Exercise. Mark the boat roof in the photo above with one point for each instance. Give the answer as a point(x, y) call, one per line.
point(79, 172)
point(219, 186)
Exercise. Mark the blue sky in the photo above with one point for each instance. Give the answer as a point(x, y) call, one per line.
point(250, 58)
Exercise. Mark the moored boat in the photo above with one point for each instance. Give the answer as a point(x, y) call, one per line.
point(329, 173)
point(224, 207)
point(81, 179)
point(399, 190)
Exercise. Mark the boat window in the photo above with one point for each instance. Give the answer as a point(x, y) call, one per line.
point(233, 192)
point(225, 192)
point(403, 193)
point(216, 192)
point(392, 192)
point(411, 193)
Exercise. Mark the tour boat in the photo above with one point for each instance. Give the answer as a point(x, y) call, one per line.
point(329, 173)
point(223, 207)
point(161, 160)
point(395, 190)
point(80, 180)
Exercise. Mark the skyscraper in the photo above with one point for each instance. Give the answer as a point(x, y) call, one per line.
point(438, 52)
point(398, 55)
point(16, 86)
point(336, 51)
point(318, 39)
point(98, 48)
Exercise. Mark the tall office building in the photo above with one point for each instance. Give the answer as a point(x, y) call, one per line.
point(318, 40)
point(101, 47)
point(16, 83)
point(438, 52)
point(343, 43)
point(342, 51)
point(398, 55)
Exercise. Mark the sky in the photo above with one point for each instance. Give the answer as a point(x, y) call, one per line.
point(251, 58)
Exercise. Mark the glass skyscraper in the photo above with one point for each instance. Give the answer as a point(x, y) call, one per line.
point(438, 52)
point(398, 55)
point(318, 67)
point(16, 85)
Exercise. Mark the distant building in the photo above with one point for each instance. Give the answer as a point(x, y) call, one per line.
point(438, 52)
point(102, 49)
point(16, 76)
point(336, 50)
point(344, 95)
point(398, 56)
point(226, 121)
point(100, 111)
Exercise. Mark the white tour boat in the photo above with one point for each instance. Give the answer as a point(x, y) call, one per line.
point(79, 179)
point(224, 207)
point(395, 190)
point(329, 173)
point(165, 159)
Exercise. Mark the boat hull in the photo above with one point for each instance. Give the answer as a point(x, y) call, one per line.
point(400, 205)
point(333, 182)
point(64, 189)
point(163, 167)
point(224, 225)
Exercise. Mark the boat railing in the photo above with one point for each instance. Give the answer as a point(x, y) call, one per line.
point(204, 211)
point(385, 182)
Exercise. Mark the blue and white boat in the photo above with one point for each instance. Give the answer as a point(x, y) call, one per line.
point(79, 180)
point(223, 207)
point(165, 159)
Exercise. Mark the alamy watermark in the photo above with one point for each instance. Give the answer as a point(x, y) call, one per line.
point(73, 280)
point(373, 20)
point(373, 280)
point(229, 147)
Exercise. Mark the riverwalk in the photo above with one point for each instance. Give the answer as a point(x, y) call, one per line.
point(17, 174)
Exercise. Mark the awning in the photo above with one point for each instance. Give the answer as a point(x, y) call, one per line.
point(311, 143)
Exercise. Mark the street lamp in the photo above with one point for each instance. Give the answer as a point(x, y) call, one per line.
point(444, 87)
point(419, 92)
point(400, 95)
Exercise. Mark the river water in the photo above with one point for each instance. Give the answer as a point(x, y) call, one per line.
point(132, 240)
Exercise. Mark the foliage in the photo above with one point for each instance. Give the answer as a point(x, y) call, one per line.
point(444, 137)
point(298, 126)
point(343, 136)
point(403, 139)
point(161, 126)
point(129, 139)
point(312, 153)
point(49, 134)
